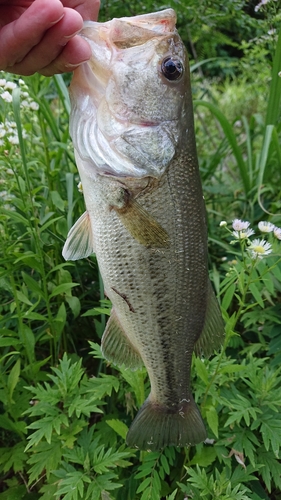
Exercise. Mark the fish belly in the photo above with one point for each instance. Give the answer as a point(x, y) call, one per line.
point(159, 298)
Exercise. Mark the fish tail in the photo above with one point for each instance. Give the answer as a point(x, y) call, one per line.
point(157, 426)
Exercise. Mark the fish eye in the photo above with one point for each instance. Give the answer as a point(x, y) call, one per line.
point(172, 68)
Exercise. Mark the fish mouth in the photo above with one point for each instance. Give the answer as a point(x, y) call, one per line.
point(125, 33)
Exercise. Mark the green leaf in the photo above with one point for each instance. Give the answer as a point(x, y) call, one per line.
point(60, 320)
point(271, 468)
point(28, 340)
point(119, 427)
point(144, 484)
point(256, 294)
point(32, 285)
point(23, 298)
point(9, 342)
point(46, 457)
point(15, 216)
point(13, 458)
point(62, 288)
point(205, 456)
point(57, 200)
point(13, 378)
point(271, 435)
point(201, 370)
point(228, 296)
point(72, 486)
point(74, 304)
point(213, 421)
point(105, 460)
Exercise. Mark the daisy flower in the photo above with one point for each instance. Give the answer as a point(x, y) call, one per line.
point(277, 232)
point(240, 225)
point(259, 248)
point(265, 227)
point(241, 235)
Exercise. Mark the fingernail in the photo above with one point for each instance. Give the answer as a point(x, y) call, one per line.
point(67, 37)
point(73, 66)
point(59, 19)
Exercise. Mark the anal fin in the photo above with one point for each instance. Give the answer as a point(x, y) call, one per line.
point(116, 346)
point(213, 332)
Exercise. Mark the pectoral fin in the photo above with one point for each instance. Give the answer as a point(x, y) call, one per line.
point(116, 346)
point(213, 332)
point(142, 226)
point(79, 242)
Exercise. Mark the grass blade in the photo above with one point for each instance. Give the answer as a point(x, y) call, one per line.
point(273, 108)
point(228, 131)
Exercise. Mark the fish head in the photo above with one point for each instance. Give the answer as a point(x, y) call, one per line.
point(130, 100)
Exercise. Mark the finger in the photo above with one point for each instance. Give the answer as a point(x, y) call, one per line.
point(53, 43)
point(88, 9)
point(70, 58)
point(18, 37)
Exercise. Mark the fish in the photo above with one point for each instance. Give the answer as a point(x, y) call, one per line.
point(132, 128)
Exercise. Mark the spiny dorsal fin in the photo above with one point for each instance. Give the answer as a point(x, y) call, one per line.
point(212, 335)
point(79, 242)
point(116, 346)
point(142, 226)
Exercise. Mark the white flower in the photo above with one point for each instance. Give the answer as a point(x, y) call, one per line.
point(24, 104)
point(259, 248)
point(265, 227)
point(277, 232)
point(223, 223)
point(80, 187)
point(240, 225)
point(34, 105)
point(21, 81)
point(6, 96)
point(13, 139)
point(10, 86)
point(241, 235)
point(263, 2)
point(3, 82)
point(2, 132)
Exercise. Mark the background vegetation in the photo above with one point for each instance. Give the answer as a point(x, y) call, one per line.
point(64, 411)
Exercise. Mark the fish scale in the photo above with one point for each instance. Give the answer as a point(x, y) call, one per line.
point(147, 226)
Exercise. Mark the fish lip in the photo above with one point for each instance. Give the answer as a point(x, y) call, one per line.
point(146, 123)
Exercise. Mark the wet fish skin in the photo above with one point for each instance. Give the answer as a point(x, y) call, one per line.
point(145, 219)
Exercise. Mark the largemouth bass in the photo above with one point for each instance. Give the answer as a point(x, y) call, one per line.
point(132, 128)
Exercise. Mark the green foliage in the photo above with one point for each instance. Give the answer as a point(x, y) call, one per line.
point(64, 417)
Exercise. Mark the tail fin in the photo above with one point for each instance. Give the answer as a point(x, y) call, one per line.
point(157, 426)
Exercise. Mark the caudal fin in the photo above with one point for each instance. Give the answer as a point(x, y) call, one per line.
point(157, 426)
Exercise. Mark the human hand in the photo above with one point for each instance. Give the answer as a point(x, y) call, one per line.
point(41, 35)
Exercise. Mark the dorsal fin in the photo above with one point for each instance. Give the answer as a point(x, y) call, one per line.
point(213, 332)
